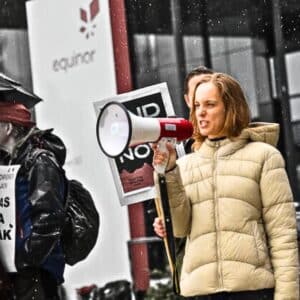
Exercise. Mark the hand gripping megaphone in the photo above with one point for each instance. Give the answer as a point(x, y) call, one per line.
point(118, 129)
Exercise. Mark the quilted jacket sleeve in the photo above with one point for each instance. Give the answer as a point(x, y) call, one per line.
point(179, 204)
point(46, 196)
point(280, 223)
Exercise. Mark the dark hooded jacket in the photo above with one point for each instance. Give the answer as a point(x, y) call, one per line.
point(40, 203)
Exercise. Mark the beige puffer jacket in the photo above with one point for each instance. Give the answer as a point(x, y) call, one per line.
point(233, 201)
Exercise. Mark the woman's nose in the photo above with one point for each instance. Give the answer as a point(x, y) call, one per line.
point(202, 111)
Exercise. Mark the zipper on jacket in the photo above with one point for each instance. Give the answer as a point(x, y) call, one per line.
point(216, 202)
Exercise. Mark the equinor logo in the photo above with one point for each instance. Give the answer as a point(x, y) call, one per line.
point(75, 60)
point(85, 57)
point(87, 17)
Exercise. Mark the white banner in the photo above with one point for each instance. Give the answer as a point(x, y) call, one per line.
point(71, 54)
point(72, 66)
point(8, 216)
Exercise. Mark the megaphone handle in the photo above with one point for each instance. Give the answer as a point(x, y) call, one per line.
point(162, 146)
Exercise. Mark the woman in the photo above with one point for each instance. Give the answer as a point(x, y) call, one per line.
point(232, 200)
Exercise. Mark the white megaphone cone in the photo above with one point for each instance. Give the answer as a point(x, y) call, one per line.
point(118, 129)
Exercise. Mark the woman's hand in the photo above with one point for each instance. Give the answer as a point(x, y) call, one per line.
point(159, 227)
point(162, 157)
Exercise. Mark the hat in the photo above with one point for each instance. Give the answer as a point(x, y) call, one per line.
point(15, 113)
point(12, 91)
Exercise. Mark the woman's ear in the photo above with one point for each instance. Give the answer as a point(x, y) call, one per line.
point(187, 101)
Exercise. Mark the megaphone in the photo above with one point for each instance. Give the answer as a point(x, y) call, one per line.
point(117, 129)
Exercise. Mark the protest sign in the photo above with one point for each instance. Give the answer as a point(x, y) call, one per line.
point(8, 216)
point(133, 171)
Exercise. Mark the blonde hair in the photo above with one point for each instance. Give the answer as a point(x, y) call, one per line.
point(237, 113)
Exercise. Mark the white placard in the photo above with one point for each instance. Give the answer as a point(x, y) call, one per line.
point(8, 216)
point(132, 171)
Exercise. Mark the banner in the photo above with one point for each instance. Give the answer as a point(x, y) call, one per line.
point(72, 66)
point(133, 171)
point(8, 216)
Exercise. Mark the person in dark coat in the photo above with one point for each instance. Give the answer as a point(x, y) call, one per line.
point(40, 207)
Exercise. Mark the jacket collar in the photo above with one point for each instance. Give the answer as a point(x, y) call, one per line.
point(256, 132)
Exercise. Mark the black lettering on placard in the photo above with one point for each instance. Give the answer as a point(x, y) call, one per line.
point(5, 234)
point(139, 152)
point(1, 218)
point(4, 202)
point(148, 110)
point(6, 227)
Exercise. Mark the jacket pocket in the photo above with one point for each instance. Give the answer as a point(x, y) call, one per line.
point(260, 244)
